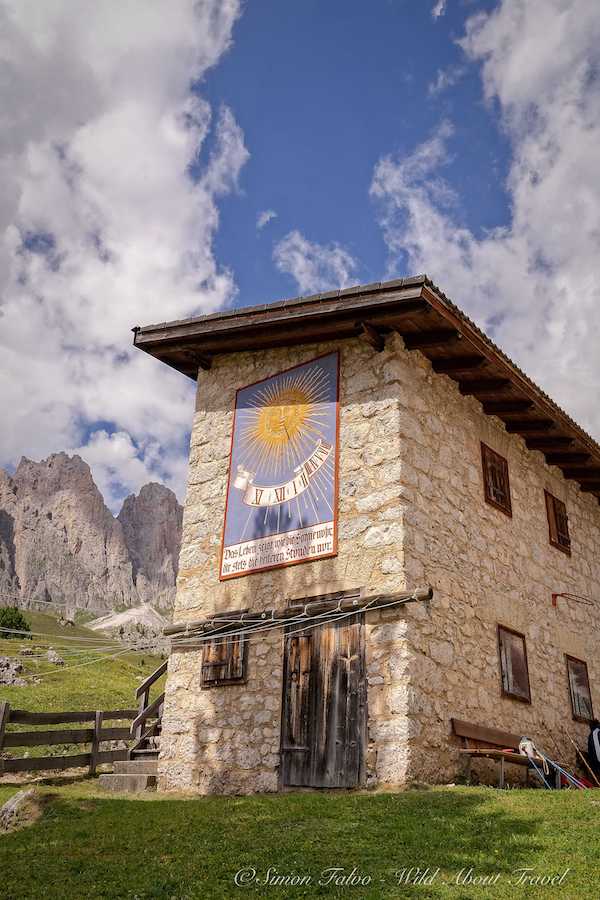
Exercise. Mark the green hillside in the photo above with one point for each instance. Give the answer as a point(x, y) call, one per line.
point(96, 675)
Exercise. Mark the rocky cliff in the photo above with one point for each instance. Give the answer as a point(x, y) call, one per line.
point(151, 524)
point(60, 543)
point(9, 583)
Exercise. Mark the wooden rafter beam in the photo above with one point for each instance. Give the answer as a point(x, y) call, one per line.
point(566, 459)
point(435, 337)
point(458, 364)
point(195, 359)
point(372, 336)
point(590, 474)
point(551, 442)
point(503, 366)
point(410, 307)
point(497, 407)
point(529, 426)
point(478, 386)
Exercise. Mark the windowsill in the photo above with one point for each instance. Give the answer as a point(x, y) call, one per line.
point(226, 682)
point(561, 547)
point(582, 719)
point(517, 697)
point(506, 510)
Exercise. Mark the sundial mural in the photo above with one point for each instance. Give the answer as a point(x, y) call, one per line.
point(282, 489)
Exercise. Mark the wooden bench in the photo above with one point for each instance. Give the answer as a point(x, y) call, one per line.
point(481, 742)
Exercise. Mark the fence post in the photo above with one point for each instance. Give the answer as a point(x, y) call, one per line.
point(142, 704)
point(4, 718)
point(95, 750)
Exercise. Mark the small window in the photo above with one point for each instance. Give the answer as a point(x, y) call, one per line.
point(495, 479)
point(558, 523)
point(579, 687)
point(224, 661)
point(513, 664)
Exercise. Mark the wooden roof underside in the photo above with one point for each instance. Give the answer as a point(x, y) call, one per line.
point(426, 320)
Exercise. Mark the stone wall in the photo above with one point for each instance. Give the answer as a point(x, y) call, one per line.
point(411, 511)
point(209, 742)
point(488, 569)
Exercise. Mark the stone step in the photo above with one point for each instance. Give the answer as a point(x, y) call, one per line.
point(127, 784)
point(136, 767)
point(146, 753)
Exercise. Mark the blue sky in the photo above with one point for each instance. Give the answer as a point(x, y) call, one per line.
point(321, 91)
point(141, 142)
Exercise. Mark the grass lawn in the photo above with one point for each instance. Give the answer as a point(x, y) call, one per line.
point(7, 790)
point(91, 846)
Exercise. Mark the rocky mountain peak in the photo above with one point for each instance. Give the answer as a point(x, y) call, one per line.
point(151, 523)
point(59, 541)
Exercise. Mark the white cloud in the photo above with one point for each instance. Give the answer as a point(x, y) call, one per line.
point(118, 464)
point(264, 217)
point(315, 267)
point(534, 284)
point(98, 131)
point(445, 78)
point(439, 9)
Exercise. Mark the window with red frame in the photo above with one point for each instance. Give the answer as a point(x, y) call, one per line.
point(513, 664)
point(579, 688)
point(558, 523)
point(495, 479)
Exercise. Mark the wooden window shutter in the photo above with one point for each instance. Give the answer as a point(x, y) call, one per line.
point(513, 664)
point(558, 523)
point(579, 689)
point(224, 661)
point(495, 479)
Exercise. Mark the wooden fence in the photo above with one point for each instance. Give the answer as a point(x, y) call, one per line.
point(93, 735)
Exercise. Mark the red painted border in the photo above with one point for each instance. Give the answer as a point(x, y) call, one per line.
point(296, 562)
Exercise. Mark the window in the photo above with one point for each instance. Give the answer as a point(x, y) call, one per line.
point(224, 661)
point(495, 479)
point(513, 664)
point(558, 523)
point(579, 687)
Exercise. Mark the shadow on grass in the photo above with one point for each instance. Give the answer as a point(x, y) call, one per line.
point(180, 849)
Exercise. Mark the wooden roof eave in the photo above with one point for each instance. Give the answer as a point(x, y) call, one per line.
point(208, 327)
point(543, 425)
point(426, 320)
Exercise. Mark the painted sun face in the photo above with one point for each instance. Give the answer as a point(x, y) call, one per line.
point(281, 422)
point(284, 422)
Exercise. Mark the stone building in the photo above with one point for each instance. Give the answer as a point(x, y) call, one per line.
point(430, 459)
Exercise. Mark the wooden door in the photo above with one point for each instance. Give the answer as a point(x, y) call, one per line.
point(324, 706)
